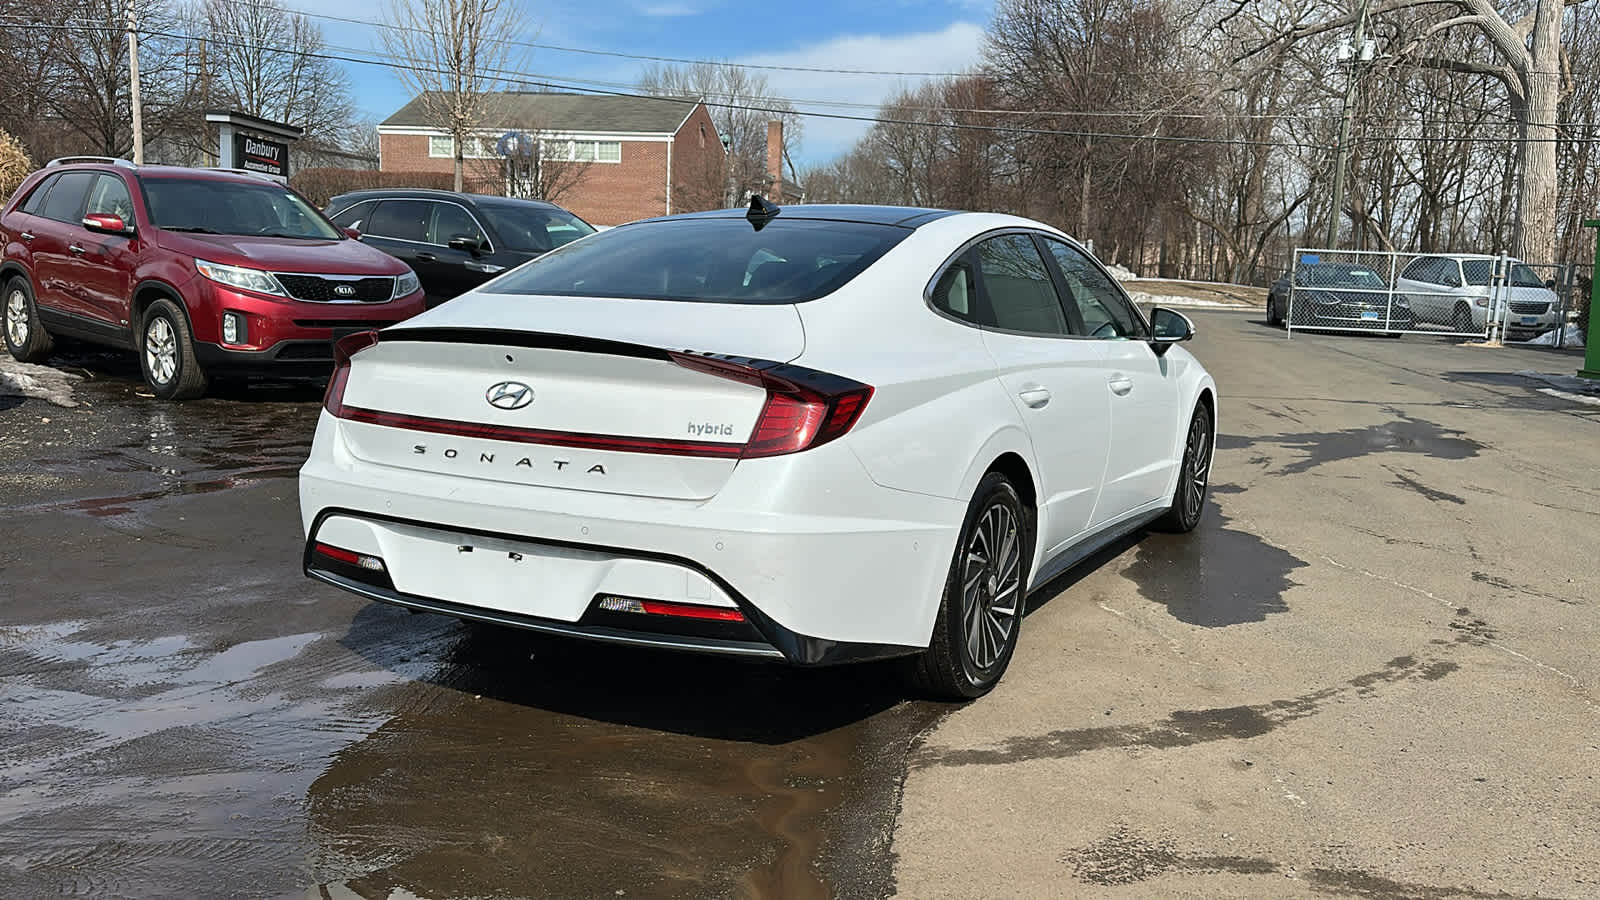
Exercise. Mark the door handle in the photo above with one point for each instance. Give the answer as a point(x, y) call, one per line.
point(485, 268)
point(75, 249)
point(26, 235)
point(1121, 385)
point(426, 257)
point(1034, 398)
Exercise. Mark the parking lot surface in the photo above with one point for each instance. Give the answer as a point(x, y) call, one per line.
point(1371, 673)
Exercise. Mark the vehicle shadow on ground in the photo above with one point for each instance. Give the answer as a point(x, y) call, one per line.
point(119, 370)
point(707, 697)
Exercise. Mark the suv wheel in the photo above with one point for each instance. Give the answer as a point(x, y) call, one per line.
point(1189, 498)
point(984, 597)
point(166, 354)
point(25, 337)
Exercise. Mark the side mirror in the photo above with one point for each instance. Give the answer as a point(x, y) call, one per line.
point(1168, 327)
point(466, 244)
point(1550, 283)
point(105, 223)
point(352, 233)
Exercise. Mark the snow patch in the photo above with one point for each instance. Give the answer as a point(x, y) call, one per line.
point(39, 382)
point(1121, 273)
point(1567, 387)
point(1144, 299)
point(1573, 338)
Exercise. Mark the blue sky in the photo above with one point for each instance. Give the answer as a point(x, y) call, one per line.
point(894, 35)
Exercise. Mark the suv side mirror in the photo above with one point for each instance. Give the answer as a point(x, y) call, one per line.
point(352, 233)
point(106, 223)
point(466, 244)
point(1168, 327)
point(1550, 284)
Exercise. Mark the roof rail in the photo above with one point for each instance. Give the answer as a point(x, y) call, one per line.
point(63, 160)
point(239, 171)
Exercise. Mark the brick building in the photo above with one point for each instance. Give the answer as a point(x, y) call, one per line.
point(609, 159)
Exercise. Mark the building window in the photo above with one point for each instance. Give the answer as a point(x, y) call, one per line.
point(583, 151)
point(440, 146)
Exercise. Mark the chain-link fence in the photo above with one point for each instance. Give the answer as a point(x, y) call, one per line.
point(1379, 292)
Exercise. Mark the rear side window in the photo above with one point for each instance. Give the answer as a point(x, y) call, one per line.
point(65, 203)
point(36, 199)
point(405, 220)
point(1478, 271)
point(709, 261)
point(1018, 287)
point(956, 289)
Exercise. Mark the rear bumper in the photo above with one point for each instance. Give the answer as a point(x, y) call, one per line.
point(825, 565)
point(759, 637)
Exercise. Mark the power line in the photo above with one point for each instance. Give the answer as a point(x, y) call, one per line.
point(522, 79)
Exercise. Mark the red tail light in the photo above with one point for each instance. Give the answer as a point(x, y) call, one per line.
point(343, 349)
point(804, 408)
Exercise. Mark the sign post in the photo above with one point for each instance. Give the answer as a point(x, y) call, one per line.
point(253, 143)
point(1591, 353)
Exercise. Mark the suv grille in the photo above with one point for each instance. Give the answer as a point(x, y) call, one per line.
point(1529, 307)
point(318, 289)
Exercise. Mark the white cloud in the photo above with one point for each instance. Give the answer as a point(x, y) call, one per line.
point(955, 48)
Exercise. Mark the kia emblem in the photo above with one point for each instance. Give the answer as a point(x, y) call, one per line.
point(345, 290)
point(509, 395)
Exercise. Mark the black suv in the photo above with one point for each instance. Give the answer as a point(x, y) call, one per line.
point(455, 242)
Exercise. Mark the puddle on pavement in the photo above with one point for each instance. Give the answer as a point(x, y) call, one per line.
point(413, 753)
point(1215, 576)
point(1403, 435)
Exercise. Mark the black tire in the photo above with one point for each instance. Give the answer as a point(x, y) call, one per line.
point(25, 337)
point(960, 664)
point(1189, 497)
point(1272, 312)
point(166, 354)
point(1461, 319)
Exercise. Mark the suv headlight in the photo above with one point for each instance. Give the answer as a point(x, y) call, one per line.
point(406, 285)
point(245, 279)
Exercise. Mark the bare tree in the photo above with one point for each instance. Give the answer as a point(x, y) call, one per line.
point(541, 164)
point(453, 54)
point(267, 61)
point(1525, 57)
point(741, 104)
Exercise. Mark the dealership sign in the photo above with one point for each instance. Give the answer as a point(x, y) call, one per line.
point(257, 155)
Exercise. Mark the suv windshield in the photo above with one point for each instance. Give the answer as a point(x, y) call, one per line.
point(1335, 275)
point(1478, 272)
point(709, 260)
point(533, 229)
point(217, 206)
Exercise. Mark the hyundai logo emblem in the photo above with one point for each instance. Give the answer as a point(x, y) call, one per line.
point(345, 290)
point(509, 395)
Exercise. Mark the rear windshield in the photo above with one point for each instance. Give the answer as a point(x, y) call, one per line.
point(709, 261)
point(534, 229)
point(216, 206)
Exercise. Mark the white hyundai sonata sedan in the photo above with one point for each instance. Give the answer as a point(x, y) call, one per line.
point(816, 434)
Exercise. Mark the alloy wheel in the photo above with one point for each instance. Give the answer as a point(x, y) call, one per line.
point(991, 586)
point(160, 350)
point(17, 318)
point(1199, 457)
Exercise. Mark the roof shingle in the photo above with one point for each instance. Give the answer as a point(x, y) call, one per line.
point(569, 113)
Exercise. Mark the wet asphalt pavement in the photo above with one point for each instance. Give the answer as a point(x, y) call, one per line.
point(183, 714)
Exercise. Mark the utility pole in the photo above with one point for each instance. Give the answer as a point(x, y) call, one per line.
point(1358, 52)
point(133, 78)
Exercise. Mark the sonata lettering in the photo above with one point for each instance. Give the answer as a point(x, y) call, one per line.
point(525, 462)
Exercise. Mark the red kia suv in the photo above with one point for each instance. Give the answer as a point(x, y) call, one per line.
point(201, 272)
